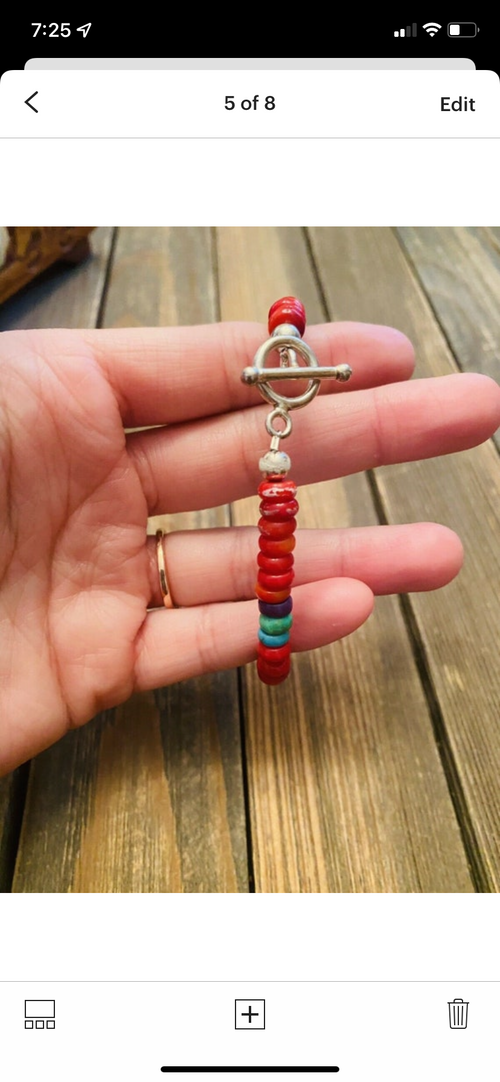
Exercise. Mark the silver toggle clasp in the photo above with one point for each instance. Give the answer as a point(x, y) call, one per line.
point(260, 376)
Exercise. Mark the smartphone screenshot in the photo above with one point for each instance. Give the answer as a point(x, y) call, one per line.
point(250, 556)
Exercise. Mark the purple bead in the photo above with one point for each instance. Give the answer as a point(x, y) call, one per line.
point(276, 610)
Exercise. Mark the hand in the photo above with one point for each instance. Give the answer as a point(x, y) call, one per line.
point(78, 575)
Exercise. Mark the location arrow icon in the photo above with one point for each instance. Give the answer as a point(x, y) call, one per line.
point(28, 101)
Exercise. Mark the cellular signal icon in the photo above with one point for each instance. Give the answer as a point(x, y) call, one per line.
point(431, 28)
point(410, 32)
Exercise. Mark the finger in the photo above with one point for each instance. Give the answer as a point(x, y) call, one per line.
point(182, 643)
point(215, 461)
point(205, 566)
point(166, 375)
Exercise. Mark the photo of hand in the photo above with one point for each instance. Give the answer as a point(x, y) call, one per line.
point(349, 777)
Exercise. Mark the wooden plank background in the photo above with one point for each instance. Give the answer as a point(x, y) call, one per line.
point(456, 629)
point(376, 766)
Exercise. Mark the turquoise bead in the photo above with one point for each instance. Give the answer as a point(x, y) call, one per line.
point(275, 625)
point(273, 640)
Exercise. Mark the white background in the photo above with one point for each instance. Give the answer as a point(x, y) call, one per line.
point(221, 182)
point(250, 937)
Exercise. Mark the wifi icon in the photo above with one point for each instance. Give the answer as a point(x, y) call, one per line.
point(432, 28)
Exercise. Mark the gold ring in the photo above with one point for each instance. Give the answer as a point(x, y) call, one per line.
point(166, 592)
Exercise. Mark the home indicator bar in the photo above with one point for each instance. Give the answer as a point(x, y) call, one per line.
point(258, 1071)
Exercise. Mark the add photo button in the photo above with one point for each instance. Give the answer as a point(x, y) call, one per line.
point(250, 1014)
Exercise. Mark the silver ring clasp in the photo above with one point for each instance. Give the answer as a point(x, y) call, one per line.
point(287, 341)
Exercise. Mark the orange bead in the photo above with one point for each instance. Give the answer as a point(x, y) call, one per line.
point(273, 597)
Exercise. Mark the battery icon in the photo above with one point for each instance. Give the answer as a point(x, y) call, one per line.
point(462, 30)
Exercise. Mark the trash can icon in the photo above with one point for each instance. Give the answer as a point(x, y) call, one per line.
point(458, 1009)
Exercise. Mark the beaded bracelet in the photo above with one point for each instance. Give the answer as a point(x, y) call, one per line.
point(278, 507)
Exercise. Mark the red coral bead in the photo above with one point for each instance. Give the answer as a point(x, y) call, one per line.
point(287, 310)
point(277, 530)
point(275, 566)
point(274, 655)
point(272, 674)
point(275, 582)
point(273, 548)
point(272, 597)
point(278, 512)
point(274, 671)
point(277, 490)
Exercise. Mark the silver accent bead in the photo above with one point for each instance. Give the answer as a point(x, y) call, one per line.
point(287, 329)
point(275, 462)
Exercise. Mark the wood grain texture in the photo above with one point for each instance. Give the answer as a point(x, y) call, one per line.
point(148, 797)
point(346, 788)
point(12, 796)
point(365, 275)
point(162, 278)
point(460, 272)
point(132, 798)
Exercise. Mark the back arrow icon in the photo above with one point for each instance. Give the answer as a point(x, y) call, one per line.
point(28, 100)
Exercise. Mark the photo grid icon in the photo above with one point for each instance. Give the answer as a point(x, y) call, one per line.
point(39, 1014)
